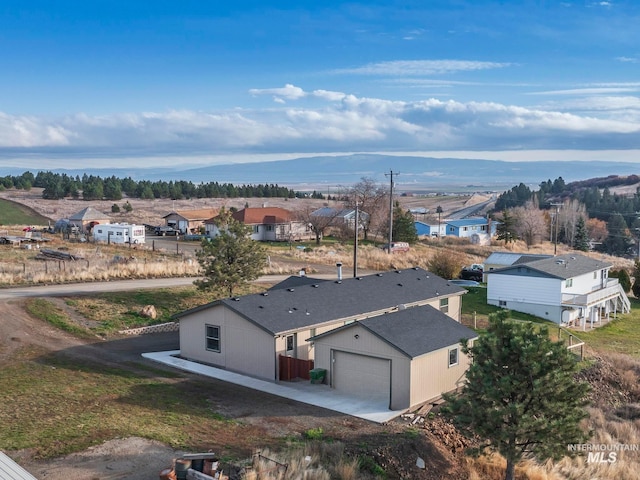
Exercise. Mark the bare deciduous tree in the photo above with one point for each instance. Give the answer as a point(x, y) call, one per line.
point(317, 223)
point(373, 199)
point(530, 223)
point(568, 217)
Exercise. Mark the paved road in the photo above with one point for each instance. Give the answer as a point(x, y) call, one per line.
point(124, 285)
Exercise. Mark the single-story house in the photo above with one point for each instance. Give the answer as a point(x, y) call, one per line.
point(505, 259)
point(273, 224)
point(430, 230)
point(403, 359)
point(189, 221)
point(569, 289)
point(468, 227)
point(88, 217)
point(341, 217)
point(255, 334)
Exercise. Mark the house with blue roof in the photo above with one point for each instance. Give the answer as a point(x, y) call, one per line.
point(467, 227)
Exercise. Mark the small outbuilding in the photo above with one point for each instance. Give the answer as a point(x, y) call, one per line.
point(88, 217)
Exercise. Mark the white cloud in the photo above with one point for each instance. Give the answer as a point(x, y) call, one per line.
point(289, 92)
point(421, 67)
point(628, 59)
point(589, 91)
point(341, 122)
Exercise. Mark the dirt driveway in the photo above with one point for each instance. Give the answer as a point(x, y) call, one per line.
point(265, 416)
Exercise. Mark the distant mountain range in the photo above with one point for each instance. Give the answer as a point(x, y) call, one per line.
point(414, 173)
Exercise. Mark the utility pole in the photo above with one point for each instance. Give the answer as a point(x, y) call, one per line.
point(556, 220)
point(390, 174)
point(355, 244)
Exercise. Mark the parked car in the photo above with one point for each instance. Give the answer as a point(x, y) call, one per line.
point(163, 231)
point(474, 272)
point(464, 283)
point(396, 247)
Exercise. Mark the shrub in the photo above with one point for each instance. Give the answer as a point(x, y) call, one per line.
point(623, 277)
point(115, 208)
point(446, 263)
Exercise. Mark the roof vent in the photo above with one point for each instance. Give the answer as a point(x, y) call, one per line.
point(265, 294)
point(358, 278)
point(378, 274)
point(236, 299)
point(338, 281)
point(315, 285)
point(415, 268)
point(290, 290)
point(402, 306)
point(399, 284)
point(560, 261)
point(398, 271)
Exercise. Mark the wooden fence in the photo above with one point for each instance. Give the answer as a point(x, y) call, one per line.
point(291, 368)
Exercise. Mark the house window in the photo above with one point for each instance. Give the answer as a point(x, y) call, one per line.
point(444, 305)
point(464, 229)
point(502, 303)
point(595, 275)
point(453, 356)
point(269, 228)
point(213, 338)
point(256, 228)
point(483, 228)
point(569, 282)
point(99, 231)
point(451, 229)
point(119, 234)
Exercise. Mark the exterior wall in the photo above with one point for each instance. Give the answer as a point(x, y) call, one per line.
point(368, 344)
point(534, 295)
point(119, 233)
point(523, 289)
point(586, 283)
point(431, 375)
point(455, 306)
point(244, 347)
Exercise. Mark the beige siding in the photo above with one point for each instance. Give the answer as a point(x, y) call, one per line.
point(245, 348)
point(368, 344)
point(455, 306)
point(431, 375)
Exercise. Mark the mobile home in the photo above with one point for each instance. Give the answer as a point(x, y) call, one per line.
point(119, 233)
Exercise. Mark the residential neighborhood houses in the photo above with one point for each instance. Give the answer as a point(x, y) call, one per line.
point(393, 335)
point(268, 224)
point(570, 289)
point(478, 230)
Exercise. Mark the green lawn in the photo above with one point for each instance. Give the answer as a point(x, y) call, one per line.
point(15, 214)
point(619, 336)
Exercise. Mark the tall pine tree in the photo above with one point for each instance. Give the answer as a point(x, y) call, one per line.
point(520, 398)
point(231, 258)
point(581, 238)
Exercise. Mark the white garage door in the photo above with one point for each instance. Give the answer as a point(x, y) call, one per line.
point(362, 376)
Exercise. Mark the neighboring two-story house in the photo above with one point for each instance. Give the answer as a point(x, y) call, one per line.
point(567, 289)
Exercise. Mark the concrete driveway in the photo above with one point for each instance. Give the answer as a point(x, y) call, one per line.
point(302, 391)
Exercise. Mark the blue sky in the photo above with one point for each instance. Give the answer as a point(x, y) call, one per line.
point(164, 82)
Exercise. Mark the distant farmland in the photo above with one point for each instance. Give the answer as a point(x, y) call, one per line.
point(12, 213)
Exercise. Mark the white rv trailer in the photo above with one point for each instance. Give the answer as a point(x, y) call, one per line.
point(118, 233)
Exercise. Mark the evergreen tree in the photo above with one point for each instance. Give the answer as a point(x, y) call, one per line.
point(520, 397)
point(404, 228)
point(623, 278)
point(581, 238)
point(127, 207)
point(618, 241)
point(506, 229)
point(636, 279)
point(231, 258)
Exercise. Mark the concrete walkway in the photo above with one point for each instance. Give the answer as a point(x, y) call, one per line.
point(305, 392)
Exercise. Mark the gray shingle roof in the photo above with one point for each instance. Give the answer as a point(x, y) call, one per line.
point(289, 309)
point(88, 213)
point(562, 266)
point(295, 281)
point(414, 331)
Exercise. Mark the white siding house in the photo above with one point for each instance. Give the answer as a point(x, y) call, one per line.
point(568, 289)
